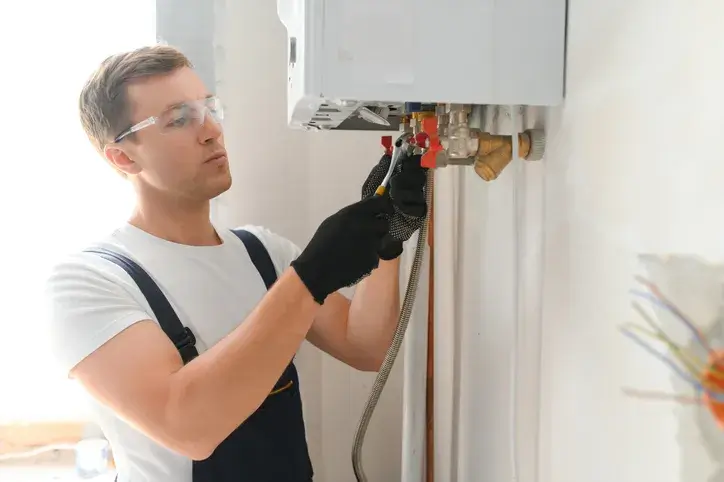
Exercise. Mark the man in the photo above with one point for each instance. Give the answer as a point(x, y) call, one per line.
point(228, 409)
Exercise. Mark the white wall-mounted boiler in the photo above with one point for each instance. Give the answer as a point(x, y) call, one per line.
point(375, 57)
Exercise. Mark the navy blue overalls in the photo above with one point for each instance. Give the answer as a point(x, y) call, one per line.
point(270, 445)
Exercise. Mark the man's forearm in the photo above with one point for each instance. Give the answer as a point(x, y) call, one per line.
point(214, 393)
point(374, 311)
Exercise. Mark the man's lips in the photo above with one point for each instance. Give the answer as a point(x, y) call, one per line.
point(217, 158)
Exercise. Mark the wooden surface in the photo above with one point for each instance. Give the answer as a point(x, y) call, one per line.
point(21, 438)
point(24, 436)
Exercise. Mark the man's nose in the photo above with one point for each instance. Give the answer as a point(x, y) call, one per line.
point(210, 130)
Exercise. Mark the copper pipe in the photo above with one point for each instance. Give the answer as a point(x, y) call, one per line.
point(496, 152)
point(430, 385)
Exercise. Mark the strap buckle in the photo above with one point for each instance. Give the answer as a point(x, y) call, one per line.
point(187, 345)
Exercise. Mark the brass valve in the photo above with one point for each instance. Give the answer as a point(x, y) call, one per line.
point(489, 154)
point(495, 151)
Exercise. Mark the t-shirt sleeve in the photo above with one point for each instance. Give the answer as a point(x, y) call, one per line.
point(281, 250)
point(89, 300)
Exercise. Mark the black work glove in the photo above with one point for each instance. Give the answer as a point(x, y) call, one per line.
point(344, 248)
point(407, 190)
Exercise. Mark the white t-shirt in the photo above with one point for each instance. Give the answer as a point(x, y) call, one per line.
point(211, 288)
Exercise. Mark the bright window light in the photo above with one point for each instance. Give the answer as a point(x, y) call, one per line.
point(58, 195)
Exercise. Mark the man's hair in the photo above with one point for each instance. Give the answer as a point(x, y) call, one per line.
point(104, 108)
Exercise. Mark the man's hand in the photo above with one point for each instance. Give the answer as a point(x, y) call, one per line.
point(407, 190)
point(345, 247)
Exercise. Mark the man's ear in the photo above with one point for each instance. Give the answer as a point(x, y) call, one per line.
point(120, 159)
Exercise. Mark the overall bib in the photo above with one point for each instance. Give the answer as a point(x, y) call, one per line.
point(270, 445)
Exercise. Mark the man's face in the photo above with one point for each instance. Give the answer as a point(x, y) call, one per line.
point(172, 157)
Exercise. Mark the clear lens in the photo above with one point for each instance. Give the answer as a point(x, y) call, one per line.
point(190, 114)
point(216, 110)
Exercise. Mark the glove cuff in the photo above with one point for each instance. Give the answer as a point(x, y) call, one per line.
point(391, 249)
point(310, 280)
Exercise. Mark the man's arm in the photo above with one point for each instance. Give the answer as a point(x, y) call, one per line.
point(102, 337)
point(191, 409)
point(359, 332)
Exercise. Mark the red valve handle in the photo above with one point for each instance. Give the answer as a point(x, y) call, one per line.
point(386, 142)
point(429, 128)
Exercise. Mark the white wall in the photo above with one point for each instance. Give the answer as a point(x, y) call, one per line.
point(290, 181)
point(32, 389)
point(634, 166)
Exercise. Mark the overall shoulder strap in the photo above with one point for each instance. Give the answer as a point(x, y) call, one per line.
point(259, 256)
point(180, 335)
point(265, 266)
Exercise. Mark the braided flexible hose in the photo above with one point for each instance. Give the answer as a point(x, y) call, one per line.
point(399, 335)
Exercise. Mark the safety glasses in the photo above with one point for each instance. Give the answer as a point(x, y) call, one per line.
point(191, 114)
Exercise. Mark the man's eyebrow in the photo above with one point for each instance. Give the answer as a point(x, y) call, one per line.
point(179, 104)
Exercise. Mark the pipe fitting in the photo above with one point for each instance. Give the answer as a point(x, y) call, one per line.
point(495, 152)
point(442, 120)
point(404, 126)
point(460, 142)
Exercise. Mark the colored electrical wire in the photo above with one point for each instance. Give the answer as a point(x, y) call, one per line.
point(695, 383)
point(706, 378)
point(676, 350)
point(692, 362)
point(658, 298)
point(660, 396)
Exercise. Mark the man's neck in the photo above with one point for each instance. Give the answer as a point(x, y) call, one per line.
point(188, 224)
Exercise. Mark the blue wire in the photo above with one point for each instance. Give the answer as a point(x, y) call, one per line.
point(719, 397)
point(676, 313)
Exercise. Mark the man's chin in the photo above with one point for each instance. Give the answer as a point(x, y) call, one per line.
point(220, 187)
